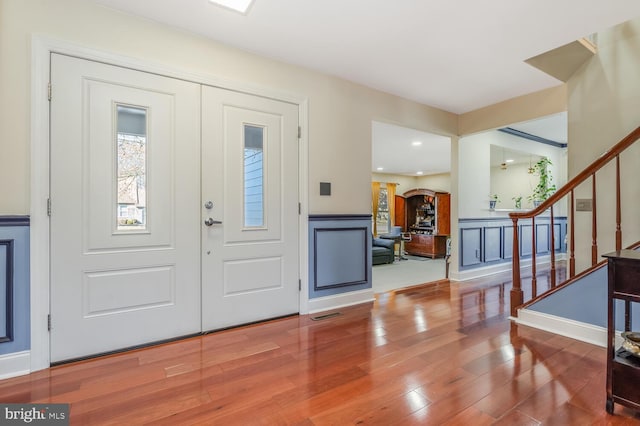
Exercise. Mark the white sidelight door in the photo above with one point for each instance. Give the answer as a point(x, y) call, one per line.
point(250, 206)
point(125, 223)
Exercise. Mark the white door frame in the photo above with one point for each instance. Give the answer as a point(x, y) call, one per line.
point(42, 47)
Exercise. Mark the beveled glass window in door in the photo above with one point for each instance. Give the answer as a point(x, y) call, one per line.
point(131, 156)
point(253, 176)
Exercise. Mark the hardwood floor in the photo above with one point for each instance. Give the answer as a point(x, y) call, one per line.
point(445, 355)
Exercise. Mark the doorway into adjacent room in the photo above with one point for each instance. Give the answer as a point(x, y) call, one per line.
point(413, 165)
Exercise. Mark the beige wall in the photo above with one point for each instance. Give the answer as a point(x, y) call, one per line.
point(440, 182)
point(603, 107)
point(405, 183)
point(523, 108)
point(340, 112)
point(475, 177)
point(603, 102)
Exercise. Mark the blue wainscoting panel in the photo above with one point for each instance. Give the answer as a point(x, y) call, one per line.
point(339, 254)
point(489, 241)
point(586, 301)
point(559, 234)
point(542, 238)
point(525, 240)
point(338, 266)
point(6, 291)
point(15, 325)
point(470, 242)
point(507, 242)
point(492, 240)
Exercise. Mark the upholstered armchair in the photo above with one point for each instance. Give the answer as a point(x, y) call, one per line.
point(382, 251)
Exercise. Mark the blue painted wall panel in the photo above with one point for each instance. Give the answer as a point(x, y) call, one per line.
point(542, 239)
point(526, 235)
point(339, 254)
point(493, 247)
point(16, 231)
point(492, 243)
point(343, 260)
point(507, 242)
point(586, 301)
point(470, 241)
point(5, 287)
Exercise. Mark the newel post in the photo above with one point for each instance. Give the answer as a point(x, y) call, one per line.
point(516, 290)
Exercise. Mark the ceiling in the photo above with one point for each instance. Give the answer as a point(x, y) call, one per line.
point(552, 127)
point(394, 152)
point(392, 147)
point(457, 55)
point(505, 157)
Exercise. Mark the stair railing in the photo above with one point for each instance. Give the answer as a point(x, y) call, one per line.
point(517, 295)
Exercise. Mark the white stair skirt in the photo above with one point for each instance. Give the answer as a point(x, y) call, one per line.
point(565, 327)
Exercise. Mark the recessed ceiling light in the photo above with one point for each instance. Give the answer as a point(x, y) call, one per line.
point(380, 169)
point(238, 5)
point(509, 160)
point(419, 173)
point(416, 143)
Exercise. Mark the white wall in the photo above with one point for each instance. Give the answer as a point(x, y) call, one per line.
point(340, 112)
point(604, 105)
point(475, 185)
point(474, 175)
point(513, 182)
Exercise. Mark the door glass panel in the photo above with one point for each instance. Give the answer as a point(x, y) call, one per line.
point(132, 168)
point(253, 176)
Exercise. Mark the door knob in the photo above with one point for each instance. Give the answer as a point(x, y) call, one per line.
point(210, 222)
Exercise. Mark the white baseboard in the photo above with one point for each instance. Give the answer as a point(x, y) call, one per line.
point(340, 300)
point(565, 327)
point(16, 364)
point(480, 272)
point(485, 271)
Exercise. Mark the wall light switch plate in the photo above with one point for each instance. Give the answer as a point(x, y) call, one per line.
point(584, 205)
point(325, 188)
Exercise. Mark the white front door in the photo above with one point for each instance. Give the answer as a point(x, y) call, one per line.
point(125, 224)
point(250, 203)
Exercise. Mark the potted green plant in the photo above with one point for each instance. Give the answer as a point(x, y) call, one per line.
point(545, 186)
point(493, 200)
point(518, 202)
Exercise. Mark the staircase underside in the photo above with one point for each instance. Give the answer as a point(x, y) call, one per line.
point(578, 310)
point(564, 61)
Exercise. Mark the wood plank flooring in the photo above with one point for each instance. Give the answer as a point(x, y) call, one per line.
point(443, 355)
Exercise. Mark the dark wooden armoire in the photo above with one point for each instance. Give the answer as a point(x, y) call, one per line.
point(424, 215)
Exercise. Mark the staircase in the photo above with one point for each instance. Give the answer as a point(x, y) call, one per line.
point(566, 195)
